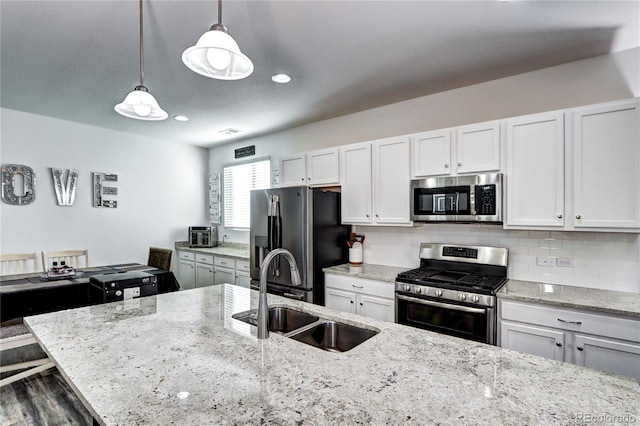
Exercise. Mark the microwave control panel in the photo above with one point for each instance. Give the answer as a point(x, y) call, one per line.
point(485, 196)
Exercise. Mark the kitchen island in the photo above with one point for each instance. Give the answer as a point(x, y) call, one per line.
point(180, 358)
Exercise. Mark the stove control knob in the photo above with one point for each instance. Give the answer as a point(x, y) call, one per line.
point(439, 293)
point(407, 287)
point(462, 296)
point(417, 290)
point(475, 299)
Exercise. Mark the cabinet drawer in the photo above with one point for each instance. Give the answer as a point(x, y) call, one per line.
point(225, 262)
point(360, 285)
point(242, 265)
point(572, 320)
point(204, 258)
point(186, 255)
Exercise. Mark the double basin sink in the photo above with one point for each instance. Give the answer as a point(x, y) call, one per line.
point(325, 334)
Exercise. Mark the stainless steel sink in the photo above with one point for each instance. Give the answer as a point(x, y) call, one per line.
point(281, 319)
point(334, 336)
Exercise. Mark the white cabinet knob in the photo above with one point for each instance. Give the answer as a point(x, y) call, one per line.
point(578, 216)
point(459, 164)
point(559, 215)
point(446, 165)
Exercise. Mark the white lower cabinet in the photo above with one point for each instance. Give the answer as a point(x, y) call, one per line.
point(370, 298)
point(186, 270)
point(204, 270)
point(602, 342)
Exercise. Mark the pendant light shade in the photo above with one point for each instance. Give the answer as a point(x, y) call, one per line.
point(139, 103)
point(217, 55)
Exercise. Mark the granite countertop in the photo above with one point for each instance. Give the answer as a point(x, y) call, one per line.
point(180, 358)
point(236, 250)
point(367, 270)
point(604, 301)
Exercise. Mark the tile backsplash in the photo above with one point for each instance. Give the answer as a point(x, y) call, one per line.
point(599, 260)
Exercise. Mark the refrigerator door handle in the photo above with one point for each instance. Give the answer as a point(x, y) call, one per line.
point(275, 232)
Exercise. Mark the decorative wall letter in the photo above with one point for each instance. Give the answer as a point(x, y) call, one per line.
point(26, 194)
point(66, 193)
point(214, 198)
point(99, 190)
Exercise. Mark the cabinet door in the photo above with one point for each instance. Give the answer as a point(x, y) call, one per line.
point(376, 307)
point(608, 355)
point(478, 148)
point(535, 171)
point(607, 166)
point(391, 181)
point(323, 167)
point(539, 341)
point(204, 275)
point(340, 300)
point(293, 170)
point(187, 273)
point(431, 153)
point(243, 279)
point(355, 172)
point(225, 276)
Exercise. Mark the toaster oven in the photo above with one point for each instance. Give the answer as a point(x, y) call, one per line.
point(203, 236)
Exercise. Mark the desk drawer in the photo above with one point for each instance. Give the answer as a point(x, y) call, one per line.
point(225, 262)
point(204, 258)
point(186, 255)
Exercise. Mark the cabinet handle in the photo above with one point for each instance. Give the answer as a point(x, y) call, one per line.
point(361, 303)
point(367, 215)
point(459, 164)
point(302, 179)
point(351, 301)
point(446, 165)
point(558, 344)
point(578, 216)
point(559, 215)
point(377, 215)
point(356, 286)
point(570, 322)
point(580, 348)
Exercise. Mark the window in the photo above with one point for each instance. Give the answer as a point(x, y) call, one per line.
point(239, 179)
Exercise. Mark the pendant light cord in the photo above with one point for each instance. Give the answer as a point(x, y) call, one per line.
point(141, 50)
point(220, 12)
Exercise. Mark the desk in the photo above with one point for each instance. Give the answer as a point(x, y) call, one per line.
point(28, 294)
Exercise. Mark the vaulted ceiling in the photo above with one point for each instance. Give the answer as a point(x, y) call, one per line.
point(74, 60)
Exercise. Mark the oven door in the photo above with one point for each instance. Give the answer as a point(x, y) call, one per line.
point(469, 322)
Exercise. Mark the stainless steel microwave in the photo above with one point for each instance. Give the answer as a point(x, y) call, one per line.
point(465, 199)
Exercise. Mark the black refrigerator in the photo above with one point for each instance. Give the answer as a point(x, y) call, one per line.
point(305, 221)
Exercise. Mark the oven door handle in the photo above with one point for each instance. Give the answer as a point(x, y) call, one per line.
point(442, 305)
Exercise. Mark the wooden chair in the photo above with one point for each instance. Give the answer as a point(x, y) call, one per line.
point(20, 337)
point(18, 263)
point(71, 258)
point(160, 258)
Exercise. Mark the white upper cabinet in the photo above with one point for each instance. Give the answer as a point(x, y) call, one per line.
point(355, 169)
point(376, 182)
point(467, 149)
point(581, 175)
point(431, 153)
point(606, 160)
point(314, 168)
point(293, 170)
point(534, 170)
point(478, 148)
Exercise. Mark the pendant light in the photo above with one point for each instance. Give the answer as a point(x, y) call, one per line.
point(139, 103)
point(217, 55)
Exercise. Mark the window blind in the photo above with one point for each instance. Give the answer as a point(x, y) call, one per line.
point(238, 181)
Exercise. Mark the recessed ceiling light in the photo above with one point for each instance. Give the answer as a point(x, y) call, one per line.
point(281, 78)
point(229, 131)
point(180, 118)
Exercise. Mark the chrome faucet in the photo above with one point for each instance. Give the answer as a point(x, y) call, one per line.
point(263, 306)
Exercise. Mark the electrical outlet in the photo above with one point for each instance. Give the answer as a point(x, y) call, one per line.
point(545, 261)
point(566, 262)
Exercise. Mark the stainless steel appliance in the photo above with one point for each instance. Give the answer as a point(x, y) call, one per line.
point(305, 221)
point(453, 291)
point(203, 236)
point(473, 198)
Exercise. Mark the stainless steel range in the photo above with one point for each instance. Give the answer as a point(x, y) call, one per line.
point(453, 291)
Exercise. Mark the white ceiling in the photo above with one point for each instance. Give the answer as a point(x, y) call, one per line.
point(75, 60)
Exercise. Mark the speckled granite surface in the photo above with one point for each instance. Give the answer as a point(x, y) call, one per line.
point(235, 250)
point(605, 301)
point(367, 270)
point(132, 364)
